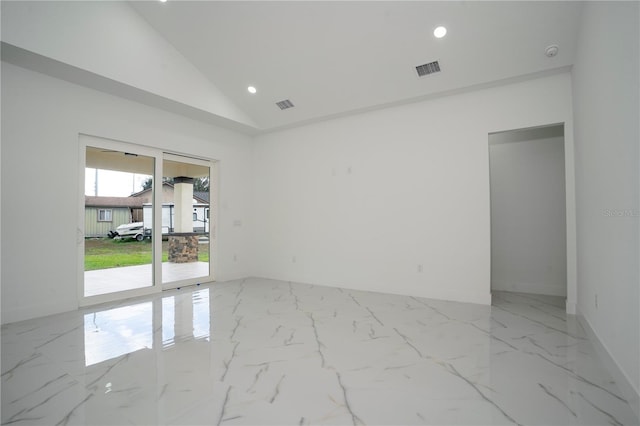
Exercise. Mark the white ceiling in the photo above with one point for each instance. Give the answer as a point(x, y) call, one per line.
point(333, 58)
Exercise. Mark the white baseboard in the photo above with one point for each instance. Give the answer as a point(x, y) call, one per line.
point(24, 313)
point(630, 393)
point(531, 288)
point(571, 307)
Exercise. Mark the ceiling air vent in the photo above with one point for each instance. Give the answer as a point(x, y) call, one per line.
point(285, 104)
point(427, 69)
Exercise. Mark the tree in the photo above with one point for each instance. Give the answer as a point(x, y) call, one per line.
point(146, 184)
point(201, 184)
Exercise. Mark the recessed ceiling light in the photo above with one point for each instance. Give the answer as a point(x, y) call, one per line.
point(163, 1)
point(440, 32)
point(251, 89)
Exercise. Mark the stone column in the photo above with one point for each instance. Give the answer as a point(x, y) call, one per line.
point(183, 200)
point(183, 245)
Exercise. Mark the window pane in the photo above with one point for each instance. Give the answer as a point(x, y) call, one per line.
point(118, 251)
point(185, 222)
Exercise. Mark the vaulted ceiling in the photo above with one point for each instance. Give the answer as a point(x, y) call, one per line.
point(332, 58)
point(329, 58)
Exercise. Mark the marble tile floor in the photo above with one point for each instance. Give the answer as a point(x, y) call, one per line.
point(262, 352)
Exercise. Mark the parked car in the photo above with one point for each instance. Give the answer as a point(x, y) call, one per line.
point(129, 230)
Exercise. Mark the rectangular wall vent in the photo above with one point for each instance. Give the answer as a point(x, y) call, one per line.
point(427, 69)
point(285, 104)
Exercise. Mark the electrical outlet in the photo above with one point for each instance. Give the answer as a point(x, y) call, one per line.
point(235, 257)
point(596, 301)
point(419, 268)
point(293, 259)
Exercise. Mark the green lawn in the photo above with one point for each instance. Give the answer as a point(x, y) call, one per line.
point(103, 253)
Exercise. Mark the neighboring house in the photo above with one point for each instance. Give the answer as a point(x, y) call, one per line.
point(104, 214)
point(199, 197)
point(200, 209)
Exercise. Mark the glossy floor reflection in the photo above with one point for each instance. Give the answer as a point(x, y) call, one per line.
point(270, 352)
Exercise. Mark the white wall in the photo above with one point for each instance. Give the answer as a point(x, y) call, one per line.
point(110, 39)
point(606, 104)
point(0, 194)
point(364, 201)
point(528, 218)
point(41, 120)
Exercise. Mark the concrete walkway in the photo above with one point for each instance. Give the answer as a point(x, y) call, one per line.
point(111, 280)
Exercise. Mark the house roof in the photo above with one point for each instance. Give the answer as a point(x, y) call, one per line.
point(199, 196)
point(146, 191)
point(131, 202)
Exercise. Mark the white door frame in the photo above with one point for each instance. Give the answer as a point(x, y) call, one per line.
point(570, 209)
point(158, 155)
point(213, 220)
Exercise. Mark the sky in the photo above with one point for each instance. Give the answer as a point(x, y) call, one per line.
point(112, 184)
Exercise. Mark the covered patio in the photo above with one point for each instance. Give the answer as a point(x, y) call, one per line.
point(113, 280)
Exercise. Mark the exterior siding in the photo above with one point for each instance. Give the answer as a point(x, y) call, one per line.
point(93, 228)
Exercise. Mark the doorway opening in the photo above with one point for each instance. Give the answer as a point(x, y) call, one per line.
point(528, 213)
point(147, 220)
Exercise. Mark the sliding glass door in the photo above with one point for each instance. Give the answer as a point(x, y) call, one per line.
point(118, 254)
point(146, 221)
point(186, 221)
